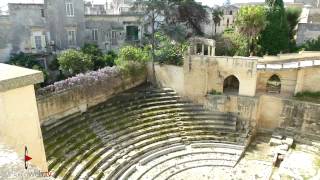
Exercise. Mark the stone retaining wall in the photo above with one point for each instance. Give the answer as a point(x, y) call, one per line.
point(78, 99)
point(268, 112)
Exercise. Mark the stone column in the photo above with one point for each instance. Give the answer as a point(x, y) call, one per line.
point(194, 49)
point(19, 120)
point(213, 52)
point(300, 79)
point(202, 49)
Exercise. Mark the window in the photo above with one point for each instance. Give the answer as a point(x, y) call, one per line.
point(69, 8)
point(94, 34)
point(107, 35)
point(230, 12)
point(114, 40)
point(42, 12)
point(71, 37)
point(37, 40)
point(228, 22)
point(114, 35)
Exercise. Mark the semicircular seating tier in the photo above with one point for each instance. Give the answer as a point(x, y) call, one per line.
point(143, 133)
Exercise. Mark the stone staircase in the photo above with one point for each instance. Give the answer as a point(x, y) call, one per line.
point(139, 134)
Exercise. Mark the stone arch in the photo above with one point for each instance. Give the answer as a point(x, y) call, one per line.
point(274, 84)
point(231, 84)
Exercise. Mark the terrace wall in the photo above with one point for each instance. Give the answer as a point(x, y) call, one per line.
point(78, 99)
point(268, 112)
point(264, 111)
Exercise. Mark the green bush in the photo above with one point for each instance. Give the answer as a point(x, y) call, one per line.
point(214, 92)
point(25, 60)
point(233, 43)
point(169, 51)
point(308, 96)
point(109, 58)
point(29, 61)
point(132, 53)
point(132, 60)
point(74, 62)
point(95, 54)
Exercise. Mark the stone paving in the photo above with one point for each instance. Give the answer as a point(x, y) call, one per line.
point(299, 165)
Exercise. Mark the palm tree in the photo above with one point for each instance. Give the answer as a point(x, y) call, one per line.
point(216, 17)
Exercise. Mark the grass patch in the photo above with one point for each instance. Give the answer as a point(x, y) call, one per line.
point(214, 92)
point(308, 96)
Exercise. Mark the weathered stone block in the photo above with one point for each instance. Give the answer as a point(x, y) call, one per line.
point(289, 141)
point(284, 147)
point(275, 142)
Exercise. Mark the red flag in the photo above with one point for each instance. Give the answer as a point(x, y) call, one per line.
point(27, 158)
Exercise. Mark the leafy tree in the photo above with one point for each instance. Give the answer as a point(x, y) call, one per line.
point(234, 44)
point(166, 14)
point(192, 13)
point(109, 58)
point(251, 20)
point(74, 62)
point(293, 15)
point(25, 60)
point(175, 32)
point(275, 37)
point(95, 54)
point(132, 53)
point(152, 9)
point(216, 17)
point(28, 61)
point(131, 60)
point(168, 51)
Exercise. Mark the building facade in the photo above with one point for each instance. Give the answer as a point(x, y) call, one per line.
point(57, 25)
point(227, 20)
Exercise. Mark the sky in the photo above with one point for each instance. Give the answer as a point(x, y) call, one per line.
point(210, 3)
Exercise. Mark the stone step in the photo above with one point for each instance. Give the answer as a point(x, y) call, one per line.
point(218, 145)
point(104, 166)
point(183, 166)
point(161, 153)
point(132, 98)
point(180, 156)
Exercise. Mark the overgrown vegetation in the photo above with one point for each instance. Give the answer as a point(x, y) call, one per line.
point(261, 30)
point(90, 57)
point(293, 15)
point(104, 75)
point(169, 51)
point(132, 60)
point(251, 20)
point(275, 37)
point(28, 61)
point(73, 62)
point(308, 96)
point(232, 43)
point(214, 92)
point(99, 59)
